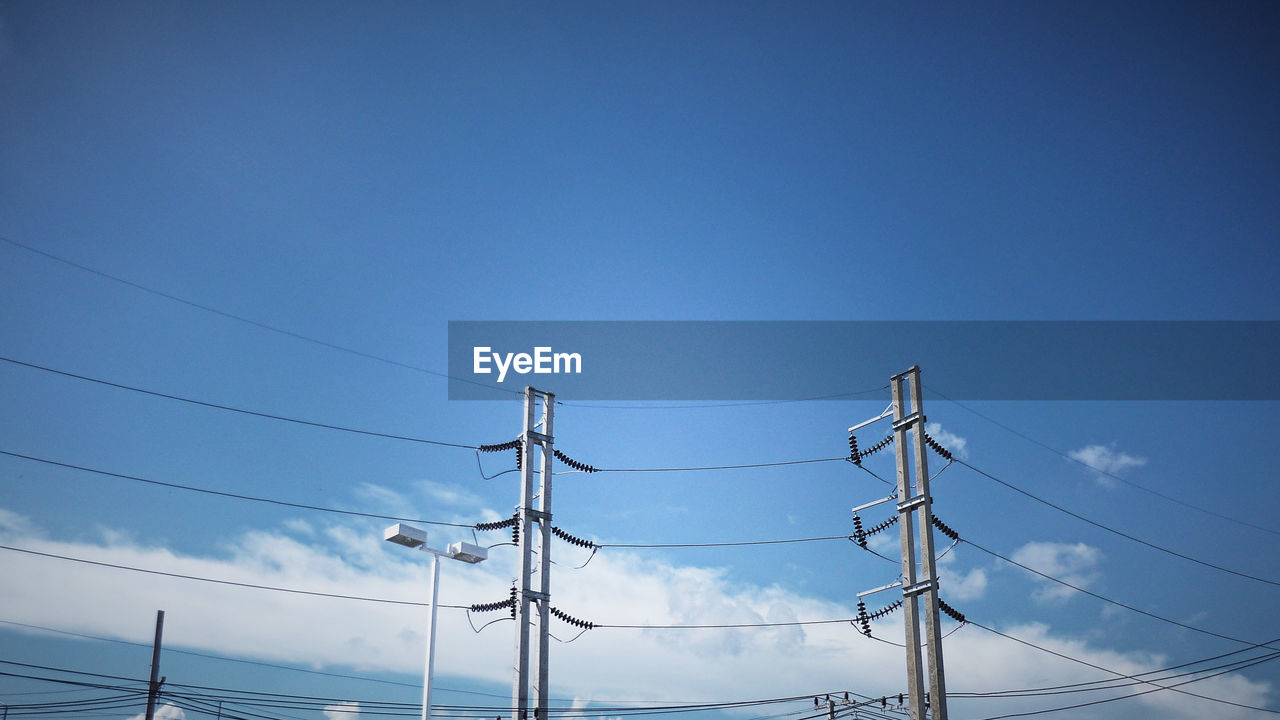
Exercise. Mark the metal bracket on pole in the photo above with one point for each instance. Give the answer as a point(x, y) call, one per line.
point(908, 421)
point(538, 437)
point(920, 587)
point(887, 412)
point(912, 504)
point(882, 588)
point(874, 503)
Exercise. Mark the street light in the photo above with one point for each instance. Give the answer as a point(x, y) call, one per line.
point(416, 538)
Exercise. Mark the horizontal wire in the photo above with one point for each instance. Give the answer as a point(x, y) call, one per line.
point(740, 543)
point(724, 467)
point(712, 404)
point(723, 626)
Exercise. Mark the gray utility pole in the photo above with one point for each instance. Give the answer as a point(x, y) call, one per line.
point(920, 503)
point(153, 689)
point(535, 433)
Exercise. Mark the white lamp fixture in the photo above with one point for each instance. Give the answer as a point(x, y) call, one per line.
point(406, 535)
point(416, 538)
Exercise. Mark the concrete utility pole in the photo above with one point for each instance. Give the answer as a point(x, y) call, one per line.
point(919, 503)
point(539, 433)
point(153, 689)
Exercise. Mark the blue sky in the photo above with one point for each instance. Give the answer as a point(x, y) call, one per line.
point(362, 175)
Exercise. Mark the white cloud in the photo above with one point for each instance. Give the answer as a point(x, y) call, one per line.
point(11, 523)
point(300, 527)
point(947, 439)
point(345, 711)
point(963, 586)
point(1105, 460)
point(164, 712)
point(446, 494)
point(1073, 563)
point(616, 588)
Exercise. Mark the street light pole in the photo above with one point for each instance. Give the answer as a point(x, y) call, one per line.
point(416, 538)
point(431, 637)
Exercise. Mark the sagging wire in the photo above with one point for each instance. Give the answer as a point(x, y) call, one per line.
point(508, 604)
point(482, 627)
point(944, 553)
point(579, 567)
point(940, 470)
point(566, 642)
point(480, 467)
point(516, 444)
point(864, 469)
point(946, 635)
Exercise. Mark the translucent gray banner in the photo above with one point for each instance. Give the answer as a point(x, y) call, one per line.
point(983, 360)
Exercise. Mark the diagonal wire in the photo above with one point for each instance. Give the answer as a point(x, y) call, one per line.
point(1121, 533)
point(1100, 471)
point(242, 319)
point(230, 408)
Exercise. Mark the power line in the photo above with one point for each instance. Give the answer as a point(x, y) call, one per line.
point(1106, 473)
point(252, 586)
point(713, 405)
point(724, 467)
point(1103, 598)
point(230, 408)
point(313, 593)
point(1120, 533)
point(355, 513)
point(1111, 684)
point(373, 433)
point(247, 321)
point(724, 626)
point(223, 493)
point(31, 666)
point(742, 543)
point(243, 661)
point(1257, 661)
point(261, 698)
